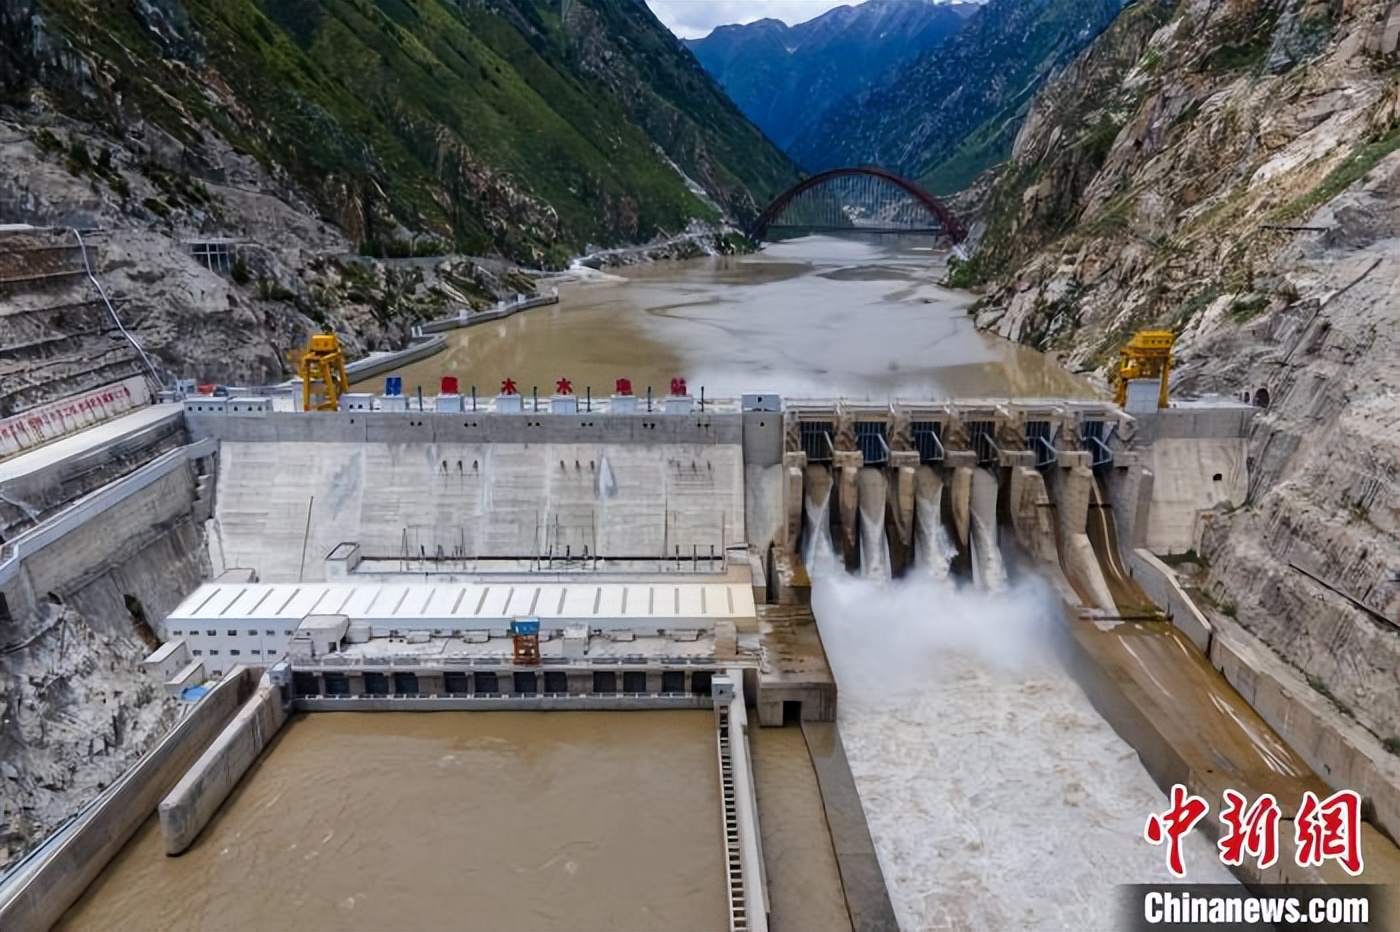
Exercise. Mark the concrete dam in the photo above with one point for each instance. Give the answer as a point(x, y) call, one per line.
point(527, 570)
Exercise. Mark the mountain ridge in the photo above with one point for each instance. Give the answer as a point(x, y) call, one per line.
point(924, 120)
point(783, 77)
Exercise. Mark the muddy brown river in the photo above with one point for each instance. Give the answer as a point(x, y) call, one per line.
point(816, 317)
point(447, 820)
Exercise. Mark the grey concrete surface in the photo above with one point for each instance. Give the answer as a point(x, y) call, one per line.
point(492, 500)
point(202, 790)
point(867, 898)
point(469, 427)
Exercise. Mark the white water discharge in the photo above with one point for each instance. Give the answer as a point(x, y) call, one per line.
point(988, 569)
point(996, 796)
point(934, 548)
point(818, 552)
point(874, 545)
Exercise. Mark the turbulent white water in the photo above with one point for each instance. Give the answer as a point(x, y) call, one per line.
point(818, 553)
point(934, 549)
point(874, 545)
point(997, 797)
point(988, 570)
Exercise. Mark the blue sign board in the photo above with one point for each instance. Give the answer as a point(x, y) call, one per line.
point(525, 626)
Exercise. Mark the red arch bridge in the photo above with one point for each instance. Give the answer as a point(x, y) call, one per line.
point(852, 200)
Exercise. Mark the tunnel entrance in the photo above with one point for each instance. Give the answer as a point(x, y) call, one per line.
point(336, 684)
point(376, 684)
point(604, 682)
point(405, 684)
point(673, 682)
point(486, 684)
point(700, 682)
point(792, 712)
point(143, 627)
point(455, 683)
point(634, 682)
point(556, 682)
point(524, 684)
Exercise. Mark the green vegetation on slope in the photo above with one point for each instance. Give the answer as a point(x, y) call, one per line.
point(487, 126)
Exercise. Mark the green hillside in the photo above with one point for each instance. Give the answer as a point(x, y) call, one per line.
point(491, 126)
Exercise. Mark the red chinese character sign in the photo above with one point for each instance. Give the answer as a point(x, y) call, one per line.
point(563, 387)
point(678, 387)
point(1330, 829)
point(624, 387)
point(1252, 831)
point(1171, 826)
point(508, 387)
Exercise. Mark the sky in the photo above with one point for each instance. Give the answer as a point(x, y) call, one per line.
point(691, 19)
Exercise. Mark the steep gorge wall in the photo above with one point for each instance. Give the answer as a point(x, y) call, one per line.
point(1227, 170)
point(77, 707)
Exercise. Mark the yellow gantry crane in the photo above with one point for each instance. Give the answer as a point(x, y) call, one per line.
point(1148, 355)
point(323, 364)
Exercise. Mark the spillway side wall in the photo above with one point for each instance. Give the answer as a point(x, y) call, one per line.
point(205, 786)
point(51, 886)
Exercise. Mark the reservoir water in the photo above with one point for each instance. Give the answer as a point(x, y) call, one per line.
point(815, 317)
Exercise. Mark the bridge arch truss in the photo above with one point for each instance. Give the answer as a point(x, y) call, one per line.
point(856, 199)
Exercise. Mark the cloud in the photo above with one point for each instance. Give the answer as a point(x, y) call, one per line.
point(691, 19)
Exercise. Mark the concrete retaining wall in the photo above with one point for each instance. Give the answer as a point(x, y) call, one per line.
point(203, 789)
point(115, 522)
point(746, 810)
point(1160, 584)
point(371, 366)
point(1333, 747)
point(64, 477)
point(60, 418)
point(502, 310)
point(1310, 726)
point(1136, 713)
point(862, 881)
point(49, 885)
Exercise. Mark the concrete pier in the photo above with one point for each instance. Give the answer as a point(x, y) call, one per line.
point(202, 790)
point(867, 898)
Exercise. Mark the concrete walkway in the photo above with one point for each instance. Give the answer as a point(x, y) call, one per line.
point(866, 896)
point(86, 441)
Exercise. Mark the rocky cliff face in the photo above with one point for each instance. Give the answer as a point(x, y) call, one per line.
point(952, 112)
point(304, 132)
point(1227, 170)
point(785, 77)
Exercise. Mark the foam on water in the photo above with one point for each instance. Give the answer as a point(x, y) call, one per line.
point(997, 797)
